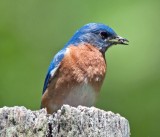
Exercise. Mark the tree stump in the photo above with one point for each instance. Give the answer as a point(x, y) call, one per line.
point(67, 122)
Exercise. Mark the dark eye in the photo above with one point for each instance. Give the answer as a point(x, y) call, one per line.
point(104, 35)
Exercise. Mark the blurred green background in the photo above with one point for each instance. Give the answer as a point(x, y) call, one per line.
point(32, 31)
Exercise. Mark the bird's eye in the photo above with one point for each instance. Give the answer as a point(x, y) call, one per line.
point(104, 35)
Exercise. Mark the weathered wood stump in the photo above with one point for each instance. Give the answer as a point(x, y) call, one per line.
point(67, 122)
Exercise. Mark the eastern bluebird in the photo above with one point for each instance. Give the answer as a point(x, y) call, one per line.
point(76, 73)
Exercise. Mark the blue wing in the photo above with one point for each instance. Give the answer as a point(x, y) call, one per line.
point(54, 65)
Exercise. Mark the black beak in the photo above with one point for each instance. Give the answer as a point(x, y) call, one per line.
point(118, 40)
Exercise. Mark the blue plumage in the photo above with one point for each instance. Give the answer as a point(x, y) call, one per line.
point(54, 65)
point(91, 33)
point(88, 32)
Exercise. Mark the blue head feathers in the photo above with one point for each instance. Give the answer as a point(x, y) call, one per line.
point(96, 34)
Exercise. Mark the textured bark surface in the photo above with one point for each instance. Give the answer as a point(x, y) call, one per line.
point(67, 122)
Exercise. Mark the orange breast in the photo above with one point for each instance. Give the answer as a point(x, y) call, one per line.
point(84, 62)
point(82, 68)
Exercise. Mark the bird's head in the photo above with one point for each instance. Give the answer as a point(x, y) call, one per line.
point(98, 35)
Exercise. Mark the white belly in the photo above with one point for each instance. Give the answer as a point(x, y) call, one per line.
point(83, 94)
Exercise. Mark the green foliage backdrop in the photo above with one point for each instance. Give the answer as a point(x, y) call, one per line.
point(32, 31)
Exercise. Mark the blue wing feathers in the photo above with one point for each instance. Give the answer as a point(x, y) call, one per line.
point(53, 65)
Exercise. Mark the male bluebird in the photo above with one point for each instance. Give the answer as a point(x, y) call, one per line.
point(76, 72)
